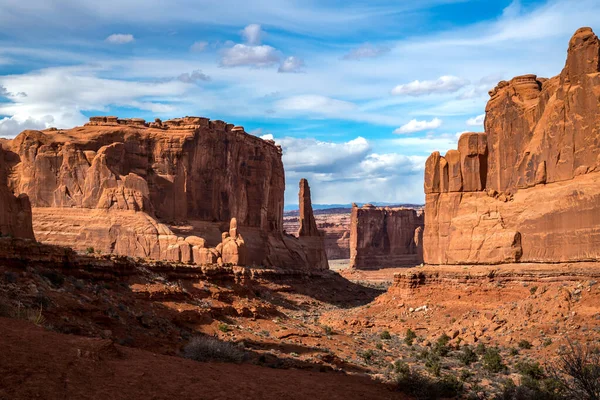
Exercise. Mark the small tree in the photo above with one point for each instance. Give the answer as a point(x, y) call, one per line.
point(578, 372)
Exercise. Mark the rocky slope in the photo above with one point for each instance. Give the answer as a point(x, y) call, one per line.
point(164, 190)
point(527, 189)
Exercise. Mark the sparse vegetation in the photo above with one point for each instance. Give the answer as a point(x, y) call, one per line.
point(467, 356)
point(206, 348)
point(385, 335)
point(524, 344)
point(328, 330)
point(224, 328)
point(578, 372)
point(90, 250)
point(492, 360)
point(367, 355)
point(410, 337)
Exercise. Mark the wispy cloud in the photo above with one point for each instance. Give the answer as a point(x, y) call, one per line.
point(445, 84)
point(194, 77)
point(292, 64)
point(418, 126)
point(476, 121)
point(366, 50)
point(199, 46)
point(253, 34)
point(120, 38)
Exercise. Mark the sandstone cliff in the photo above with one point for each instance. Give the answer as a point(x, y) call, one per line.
point(15, 212)
point(164, 190)
point(528, 188)
point(385, 237)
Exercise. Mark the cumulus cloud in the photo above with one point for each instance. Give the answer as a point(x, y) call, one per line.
point(198, 47)
point(255, 56)
point(253, 34)
point(350, 171)
point(444, 84)
point(194, 77)
point(315, 103)
point(476, 121)
point(120, 38)
point(418, 126)
point(311, 155)
point(367, 50)
point(11, 126)
point(291, 64)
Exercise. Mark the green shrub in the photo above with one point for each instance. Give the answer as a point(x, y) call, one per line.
point(385, 335)
point(441, 346)
point(379, 346)
point(422, 387)
point(467, 356)
point(530, 369)
point(328, 330)
point(409, 337)
point(401, 368)
point(89, 250)
point(480, 349)
point(433, 364)
point(367, 355)
point(206, 348)
point(224, 328)
point(524, 344)
point(492, 360)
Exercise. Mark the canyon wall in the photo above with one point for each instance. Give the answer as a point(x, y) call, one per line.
point(15, 211)
point(162, 190)
point(383, 237)
point(528, 189)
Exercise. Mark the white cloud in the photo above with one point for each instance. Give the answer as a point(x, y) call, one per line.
point(255, 56)
point(253, 34)
point(194, 77)
point(120, 38)
point(11, 126)
point(366, 50)
point(291, 64)
point(444, 84)
point(350, 171)
point(198, 47)
point(418, 126)
point(315, 103)
point(476, 121)
point(311, 155)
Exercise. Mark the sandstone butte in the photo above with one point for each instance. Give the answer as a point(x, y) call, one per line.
point(528, 188)
point(188, 190)
point(383, 237)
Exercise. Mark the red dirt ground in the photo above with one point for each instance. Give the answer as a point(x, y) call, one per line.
point(58, 366)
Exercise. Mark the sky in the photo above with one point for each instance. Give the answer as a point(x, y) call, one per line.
point(357, 92)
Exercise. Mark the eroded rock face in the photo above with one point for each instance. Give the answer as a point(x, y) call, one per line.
point(164, 190)
point(15, 211)
point(385, 237)
point(308, 225)
point(526, 189)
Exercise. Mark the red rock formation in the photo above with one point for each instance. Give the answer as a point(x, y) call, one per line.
point(15, 212)
point(308, 226)
point(384, 237)
point(132, 188)
point(526, 189)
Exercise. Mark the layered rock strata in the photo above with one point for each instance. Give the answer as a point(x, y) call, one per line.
point(526, 190)
point(162, 190)
point(383, 237)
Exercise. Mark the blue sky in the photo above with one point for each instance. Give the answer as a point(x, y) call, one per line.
point(357, 92)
